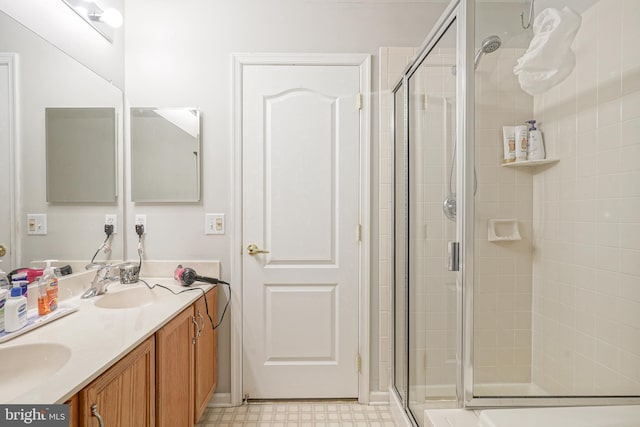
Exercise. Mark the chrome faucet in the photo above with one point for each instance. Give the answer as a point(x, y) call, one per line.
point(100, 282)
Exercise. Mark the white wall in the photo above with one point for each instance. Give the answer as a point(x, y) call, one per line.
point(57, 23)
point(179, 54)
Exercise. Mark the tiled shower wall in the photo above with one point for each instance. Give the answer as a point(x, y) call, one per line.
point(502, 276)
point(586, 268)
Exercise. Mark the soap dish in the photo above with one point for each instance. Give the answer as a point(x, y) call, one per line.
point(503, 230)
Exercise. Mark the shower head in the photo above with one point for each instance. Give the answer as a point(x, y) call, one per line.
point(489, 45)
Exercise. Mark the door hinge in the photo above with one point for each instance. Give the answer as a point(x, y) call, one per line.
point(358, 363)
point(359, 101)
point(359, 233)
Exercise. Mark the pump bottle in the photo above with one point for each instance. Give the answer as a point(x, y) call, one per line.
point(536, 144)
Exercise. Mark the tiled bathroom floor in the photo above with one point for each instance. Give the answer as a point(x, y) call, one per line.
point(299, 414)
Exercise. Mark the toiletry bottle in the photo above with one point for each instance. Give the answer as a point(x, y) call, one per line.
point(3, 299)
point(51, 283)
point(522, 143)
point(536, 144)
point(15, 311)
point(43, 298)
point(509, 143)
point(4, 280)
point(20, 280)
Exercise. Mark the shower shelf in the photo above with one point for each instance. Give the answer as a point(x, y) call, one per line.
point(530, 163)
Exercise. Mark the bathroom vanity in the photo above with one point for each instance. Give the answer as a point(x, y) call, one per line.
point(131, 357)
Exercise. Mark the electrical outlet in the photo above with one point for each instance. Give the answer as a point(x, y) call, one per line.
point(37, 224)
point(111, 220)
point(214, 224)
point(141, 219)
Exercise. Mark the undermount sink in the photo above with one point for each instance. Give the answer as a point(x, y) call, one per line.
point(138, 296)
point(24, 367)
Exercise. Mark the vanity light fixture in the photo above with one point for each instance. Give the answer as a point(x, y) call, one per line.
point(103, 20)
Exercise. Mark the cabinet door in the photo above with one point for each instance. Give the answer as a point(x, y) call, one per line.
point(123, 396)
point(73, 411)
point(206, 375)
point(174, 375)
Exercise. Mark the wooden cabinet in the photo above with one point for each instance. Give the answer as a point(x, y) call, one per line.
point(186, 365)
point(174, 370)
point(73, 411)
point(206, 351)
point(124, 395)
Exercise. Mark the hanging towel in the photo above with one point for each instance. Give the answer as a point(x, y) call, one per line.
point(549, 58)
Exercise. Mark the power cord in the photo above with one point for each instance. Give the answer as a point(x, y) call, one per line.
point(108, 230)
point(214, 326)
point(140, 232)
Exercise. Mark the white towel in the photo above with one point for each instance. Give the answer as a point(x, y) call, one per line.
point(549, 59)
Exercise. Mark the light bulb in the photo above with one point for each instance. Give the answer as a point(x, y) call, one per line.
point(112, 17)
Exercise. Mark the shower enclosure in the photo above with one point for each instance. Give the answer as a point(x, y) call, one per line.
point(518, 284)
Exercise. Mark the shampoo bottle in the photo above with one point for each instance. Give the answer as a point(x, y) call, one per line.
point(15, 311)
point(536, 144)
point(51, 282)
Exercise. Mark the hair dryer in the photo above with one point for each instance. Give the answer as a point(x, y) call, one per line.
point(187, 276)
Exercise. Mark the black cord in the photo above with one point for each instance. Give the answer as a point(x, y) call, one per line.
point(206, 305)
point(108, 229)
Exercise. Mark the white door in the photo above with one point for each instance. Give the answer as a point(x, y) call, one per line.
point(6, 166)
point(300, 145)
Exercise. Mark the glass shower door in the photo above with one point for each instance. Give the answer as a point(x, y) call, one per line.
point(432, 297)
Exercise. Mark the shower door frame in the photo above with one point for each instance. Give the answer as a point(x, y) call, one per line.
point(468, 241)
point(464, 13)
point(456, 12)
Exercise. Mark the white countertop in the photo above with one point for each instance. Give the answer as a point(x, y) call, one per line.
point(96, 337)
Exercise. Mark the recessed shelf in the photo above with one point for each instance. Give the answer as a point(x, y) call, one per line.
point(530, 163)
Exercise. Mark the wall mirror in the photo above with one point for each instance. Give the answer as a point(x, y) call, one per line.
point(165, 155)
point(45, 77)
point(81, 154)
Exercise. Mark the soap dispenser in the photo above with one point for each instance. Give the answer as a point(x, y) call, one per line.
point(50, 282)
point(15, 311)
point(536, 144)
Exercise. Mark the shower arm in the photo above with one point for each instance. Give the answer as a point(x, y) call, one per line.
point(530, 16)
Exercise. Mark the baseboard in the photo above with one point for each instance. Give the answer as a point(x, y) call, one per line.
point(378, 398)
point(219, 400)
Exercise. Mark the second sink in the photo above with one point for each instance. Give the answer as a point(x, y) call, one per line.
point(128, 297)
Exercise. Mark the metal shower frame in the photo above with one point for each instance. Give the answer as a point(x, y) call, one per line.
point(463, 12)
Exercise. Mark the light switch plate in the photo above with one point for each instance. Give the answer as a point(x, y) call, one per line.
point(37, 224)
point(213, 223)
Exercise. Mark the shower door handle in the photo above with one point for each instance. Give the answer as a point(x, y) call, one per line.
point(454, 256)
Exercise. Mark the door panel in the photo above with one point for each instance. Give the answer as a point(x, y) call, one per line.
point(300, 168)
point(301, 204)
point(431, 180)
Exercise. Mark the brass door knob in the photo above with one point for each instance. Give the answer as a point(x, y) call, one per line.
point(253, 249)
point(3, 251)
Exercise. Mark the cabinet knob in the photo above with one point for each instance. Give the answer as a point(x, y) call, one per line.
point(201, 328)
point(94, 412)
point(197, 332)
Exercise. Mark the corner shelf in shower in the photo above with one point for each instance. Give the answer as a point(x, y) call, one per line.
point(530, 163)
